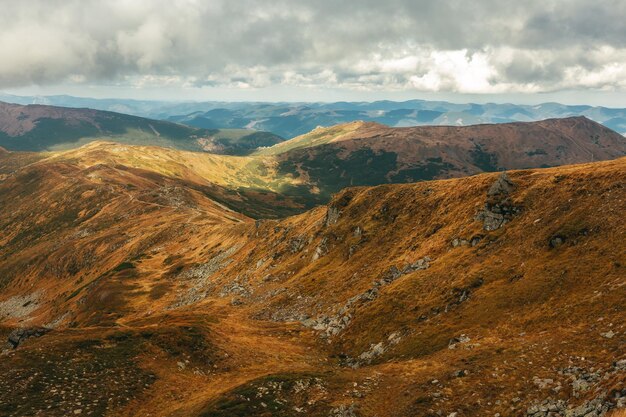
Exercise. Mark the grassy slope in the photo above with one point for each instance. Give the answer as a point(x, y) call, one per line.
point(317, 137)
point(528, 308)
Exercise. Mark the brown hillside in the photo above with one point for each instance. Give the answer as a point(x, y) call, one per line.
point(451, 151)
point(16, 120)
point(476, 296)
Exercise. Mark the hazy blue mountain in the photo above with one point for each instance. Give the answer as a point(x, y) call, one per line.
point(293, 119)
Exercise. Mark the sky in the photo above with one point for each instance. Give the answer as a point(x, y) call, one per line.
point(572, 51)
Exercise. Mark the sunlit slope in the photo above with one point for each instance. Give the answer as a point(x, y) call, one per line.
point(408, 297)
point(356, 154)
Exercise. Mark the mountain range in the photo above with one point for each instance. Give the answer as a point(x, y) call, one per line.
point(292, 119)
point(131, 291)
point(356, 270)
point(294, 175)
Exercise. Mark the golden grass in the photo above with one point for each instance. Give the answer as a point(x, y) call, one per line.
point(316, 137)
point(530, 310)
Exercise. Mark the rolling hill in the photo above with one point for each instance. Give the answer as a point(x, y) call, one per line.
point(303, 172)
point(365, 153)
point(316, 277)
point(128, 290)
point(40, 127)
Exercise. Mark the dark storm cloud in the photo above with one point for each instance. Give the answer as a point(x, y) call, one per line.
point(484, 46)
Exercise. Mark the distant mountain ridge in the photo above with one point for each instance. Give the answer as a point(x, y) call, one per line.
point(306, 171)
point(41, 127)
point(367, 153)
point(292, 119)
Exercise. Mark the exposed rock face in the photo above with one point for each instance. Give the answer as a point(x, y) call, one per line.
point(418, 265)
point(376, 350)
point(321, 249)
point(298, 243)
point(332, 215)
point(334, 208)
point(199, 278)
point(502, 186)
point(17, 336)
point(20, 306)
point(498, 208)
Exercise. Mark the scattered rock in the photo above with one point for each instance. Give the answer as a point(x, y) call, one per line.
point(19, 306)
point(460, 373)
point(608, 335)
point(620, 365)
point(556, 241)
point(200, 275)
point(333, 325)
point(455, 341)
point(374, 351)
point(238, 287)
point(460, 295)
point(420, 264)
point(542, 383)
point(343, 411)
point(456, 242)
point(389, 276)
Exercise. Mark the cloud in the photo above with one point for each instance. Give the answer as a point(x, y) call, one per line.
point(489, 46)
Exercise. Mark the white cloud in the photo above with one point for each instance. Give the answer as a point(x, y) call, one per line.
point(492, 46)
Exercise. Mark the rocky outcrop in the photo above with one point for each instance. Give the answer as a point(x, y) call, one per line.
point(332, 325)
point(377, 349)
point(17, 336)
point(332, 215)
point(502, 186)
point(321, 249)
point(298, 243)
point(498, 209)
point(20, 306)
point(199, 278)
